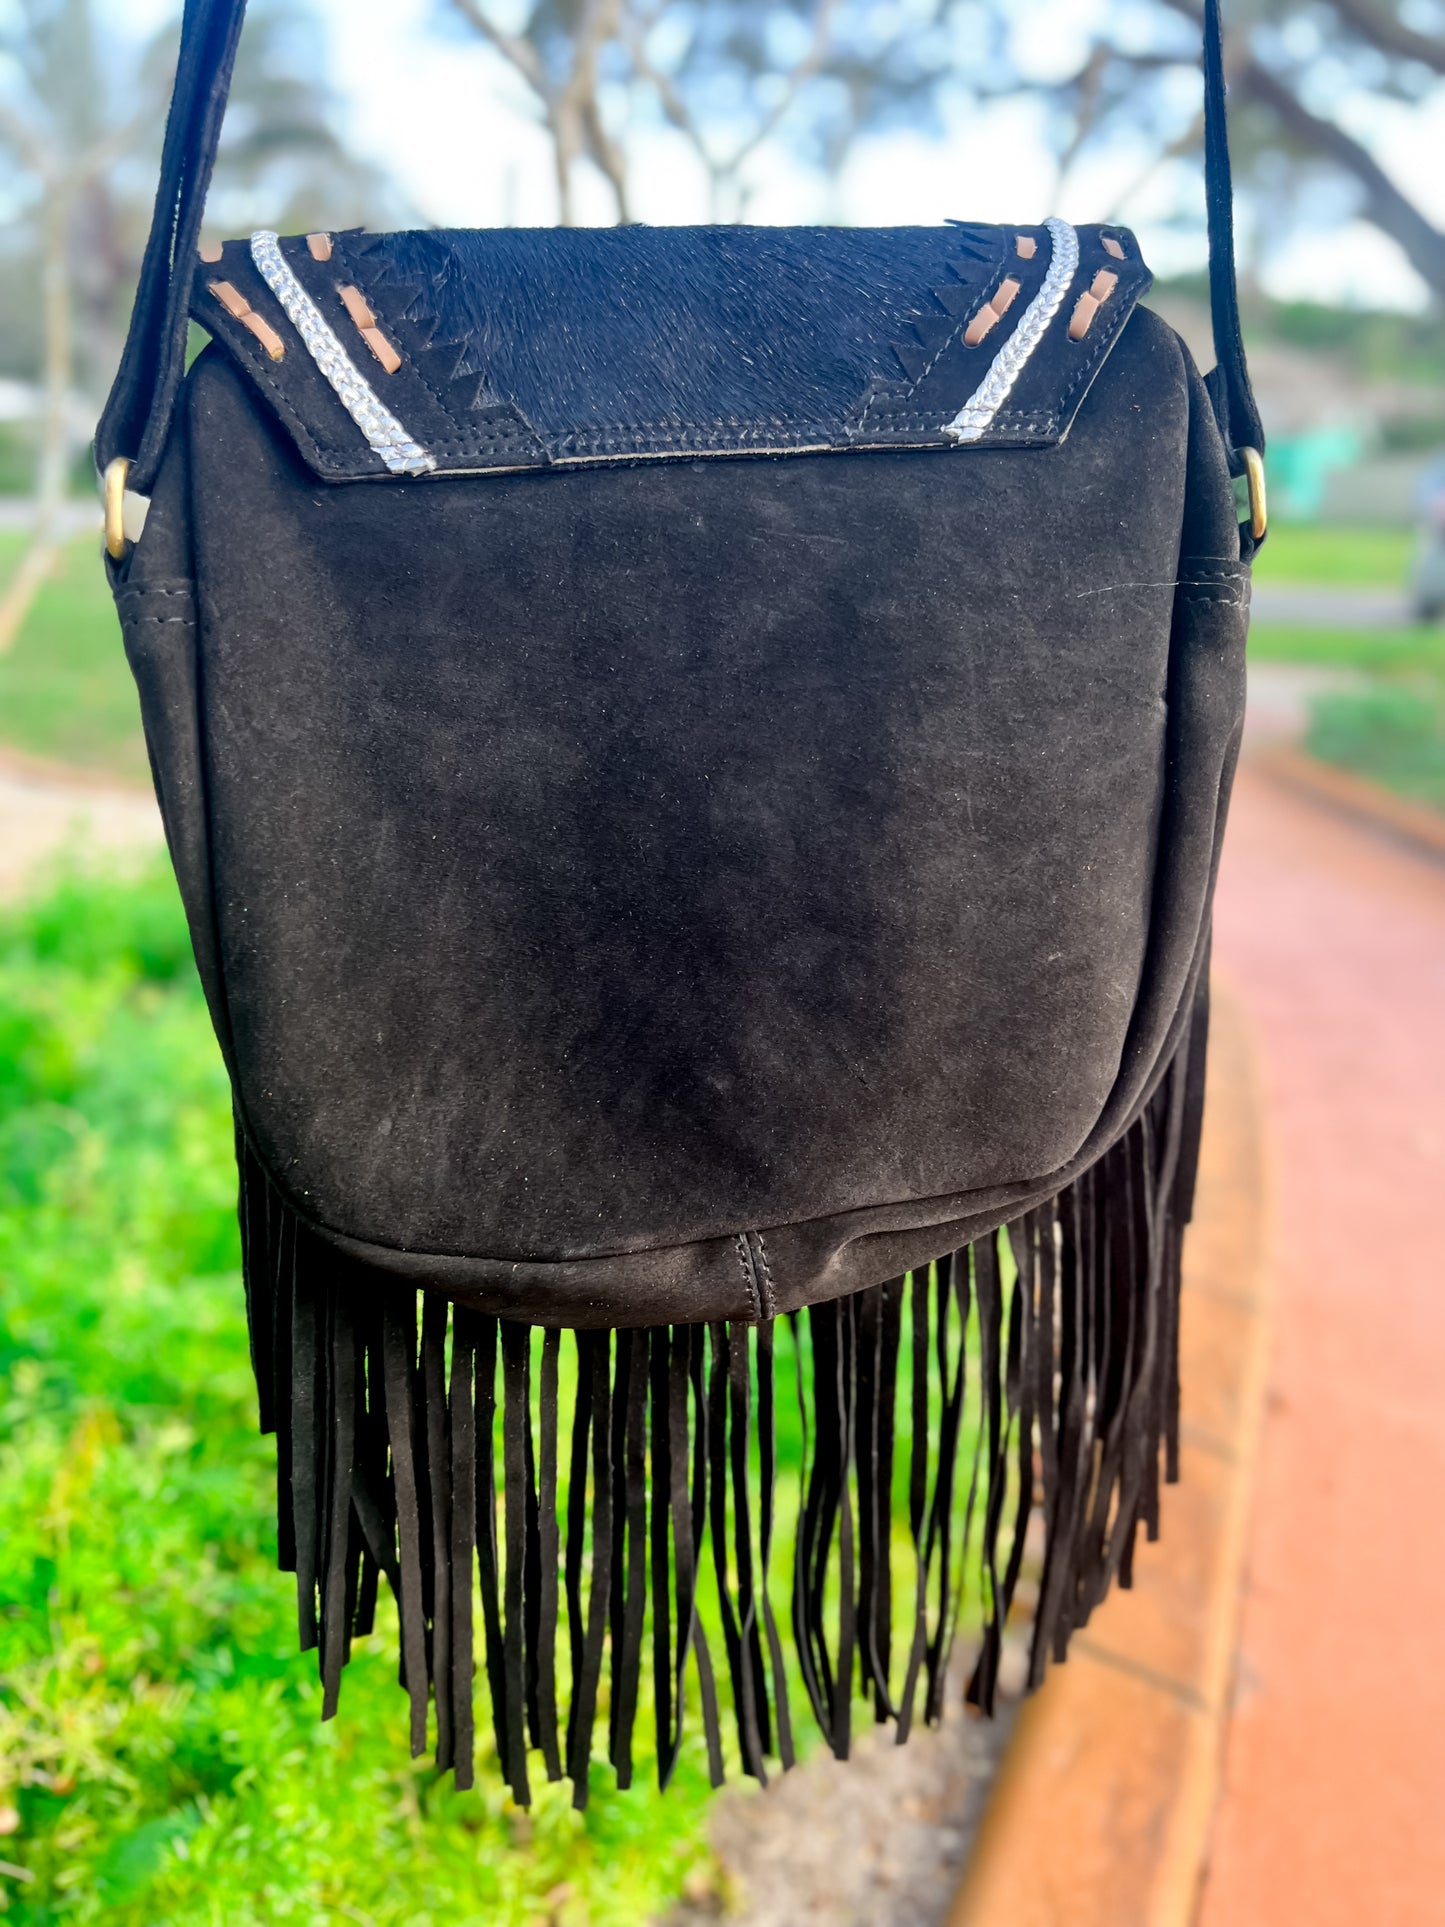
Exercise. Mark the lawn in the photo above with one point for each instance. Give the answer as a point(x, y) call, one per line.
point(1413, 651)
point(161, 1756)
point(162, 1760)
point(1392, 728)
point(1392, 732)
point(65, 690)
point(1303, 553)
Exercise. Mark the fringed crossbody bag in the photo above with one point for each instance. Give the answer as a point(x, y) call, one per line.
point(695, 759)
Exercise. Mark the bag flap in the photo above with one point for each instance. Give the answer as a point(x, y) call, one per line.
point(459, 351)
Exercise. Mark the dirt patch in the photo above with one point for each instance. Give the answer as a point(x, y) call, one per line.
point(879, 1840)
point(46, 811)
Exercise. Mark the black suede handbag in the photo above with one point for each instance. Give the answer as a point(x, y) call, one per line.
point(695, 759)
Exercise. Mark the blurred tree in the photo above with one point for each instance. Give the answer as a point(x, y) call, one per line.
point(82, 108)
point(728, 75)
point(731, 74)
point(1303, 74)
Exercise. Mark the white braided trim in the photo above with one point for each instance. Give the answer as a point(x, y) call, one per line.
point(975, 417)
point(383, 431)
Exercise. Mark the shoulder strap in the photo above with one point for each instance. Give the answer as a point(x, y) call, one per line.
point(142, 401)
point(1228, 380)
point(142, 398)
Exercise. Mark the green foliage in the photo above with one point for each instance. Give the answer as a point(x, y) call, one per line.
point(65, 689)
point(1413, 433)
point(1386, 345)
point(1377, 343)
point(161, 1755)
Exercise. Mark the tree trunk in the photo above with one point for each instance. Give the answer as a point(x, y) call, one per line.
point(1386, 206)
point(52, 470)
point(1393, 212)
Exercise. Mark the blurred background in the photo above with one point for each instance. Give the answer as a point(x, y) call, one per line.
point(159, 1754)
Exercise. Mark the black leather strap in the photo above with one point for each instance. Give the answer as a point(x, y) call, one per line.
point(1228, 380)
point(142, 399)
point(138, 412)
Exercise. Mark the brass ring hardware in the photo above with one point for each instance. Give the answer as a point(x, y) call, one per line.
point(1258, 500)
point(113, 488)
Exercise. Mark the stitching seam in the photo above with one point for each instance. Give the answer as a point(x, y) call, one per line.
point(1132, 288)
point(502, 435)
point(770, 1296)
point(505, 439)
point(1003, 421)
point(331, 456)
point(750, 1283)
point(1001, 273)
point(388, 437)
point(758, 424)
point(323, 454)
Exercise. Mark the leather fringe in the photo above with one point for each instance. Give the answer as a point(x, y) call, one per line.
point(628, 1483)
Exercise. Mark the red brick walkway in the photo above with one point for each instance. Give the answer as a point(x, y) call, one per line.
point(1333, 1807)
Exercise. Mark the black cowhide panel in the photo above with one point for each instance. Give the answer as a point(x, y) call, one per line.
point(526, 348)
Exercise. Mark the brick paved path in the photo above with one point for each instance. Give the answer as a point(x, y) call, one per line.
point(1333, 1808)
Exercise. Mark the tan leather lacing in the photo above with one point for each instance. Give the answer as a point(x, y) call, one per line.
point(1090, 302)
point(236, 304)
point(359, 308)
point(994, 310)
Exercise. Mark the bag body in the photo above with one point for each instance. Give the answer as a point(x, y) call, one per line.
point(812, 851)
point(696, 762)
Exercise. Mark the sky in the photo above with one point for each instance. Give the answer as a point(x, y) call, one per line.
point(452, 125)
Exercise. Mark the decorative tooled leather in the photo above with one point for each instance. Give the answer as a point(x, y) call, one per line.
point(545, 347)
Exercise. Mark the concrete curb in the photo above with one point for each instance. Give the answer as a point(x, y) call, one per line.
point(22, 767)
point(1102, 1810)
point(1416, 825)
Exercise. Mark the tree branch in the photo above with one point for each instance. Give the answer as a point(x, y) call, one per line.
point(1392, 211)
point(52, 471)
point(1087, 86)
point(1182, 144)
point(35, 150)
point(516, 51)
point(607, 156)
point(801, 73)
point(1385, 31)
point(679, 115)
point(578, 113)
point(674, 107)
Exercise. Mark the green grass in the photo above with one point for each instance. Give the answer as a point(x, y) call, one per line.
point(162, 1760)
point(65, 690)
point(1367, 558)
point(161, 1756)
point(1417, 651)
point(1392, 729)
point(1394, 734)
